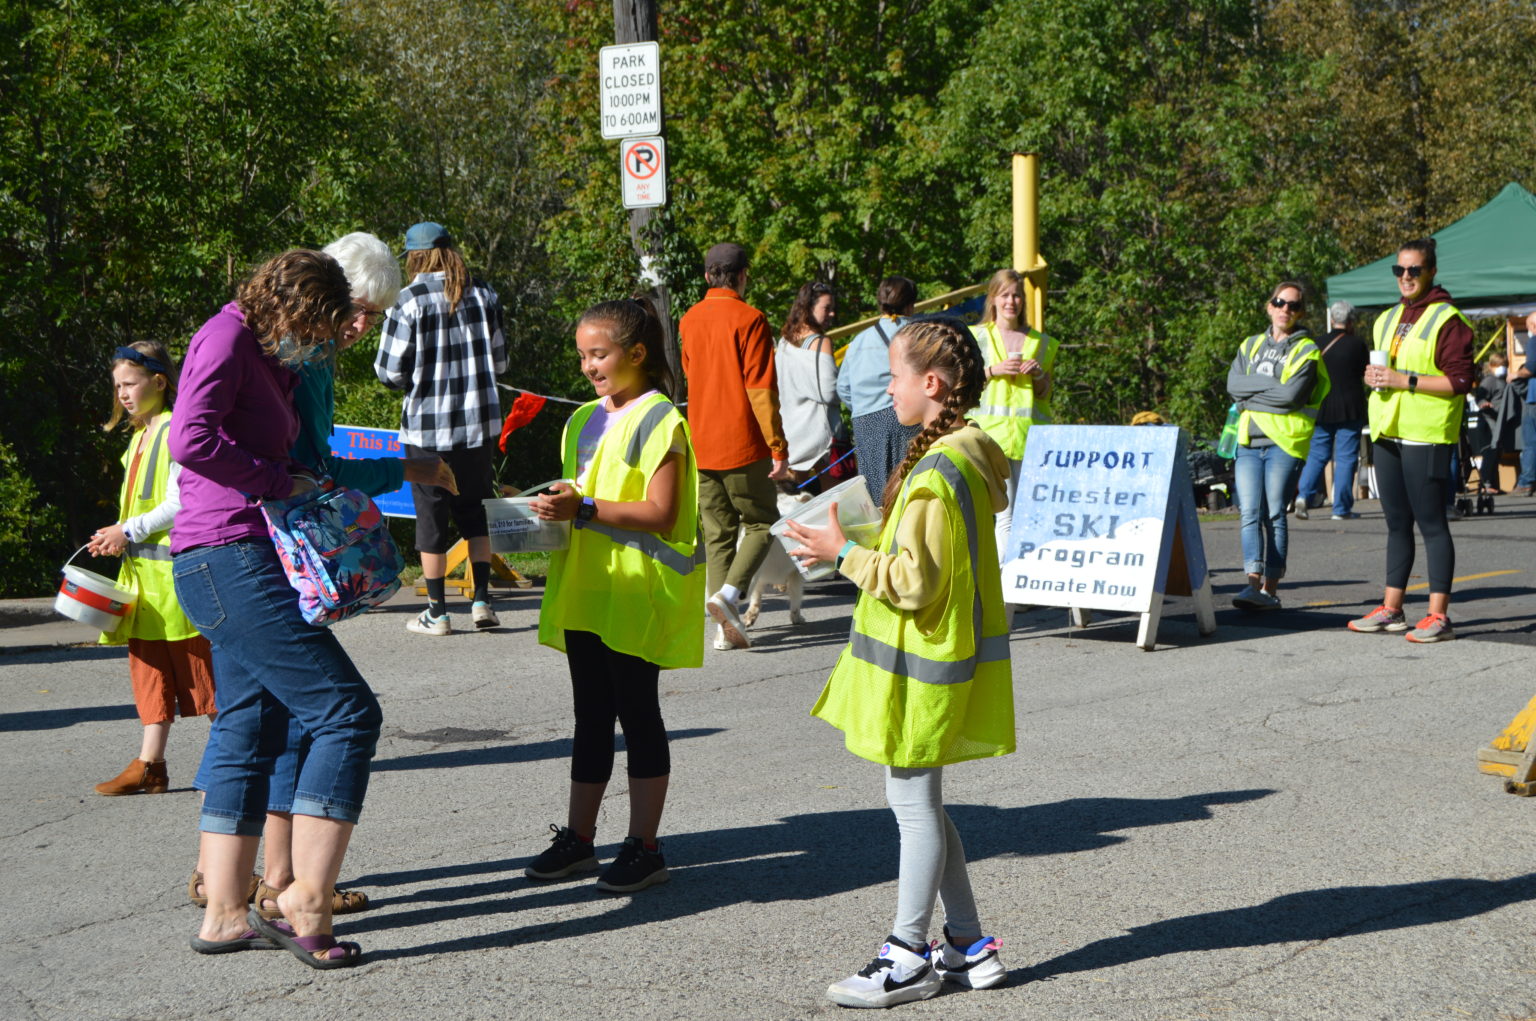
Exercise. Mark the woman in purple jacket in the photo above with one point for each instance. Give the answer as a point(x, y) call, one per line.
point(232, 431)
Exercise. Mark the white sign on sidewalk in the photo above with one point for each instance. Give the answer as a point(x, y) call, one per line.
point(1104, 519)
point(643, 167)
point(629, 78)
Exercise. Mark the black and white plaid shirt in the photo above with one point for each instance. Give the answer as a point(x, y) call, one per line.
point(447, 364)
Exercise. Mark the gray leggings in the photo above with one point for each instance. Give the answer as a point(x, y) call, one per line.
point(932, 859)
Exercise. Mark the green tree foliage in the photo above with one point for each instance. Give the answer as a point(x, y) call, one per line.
point(1166, 212)
point(1418, 111)
point(790, 128)
point(150, 155)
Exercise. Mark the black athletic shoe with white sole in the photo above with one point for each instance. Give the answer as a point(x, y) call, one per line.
point(567, 853)
point(635, 868)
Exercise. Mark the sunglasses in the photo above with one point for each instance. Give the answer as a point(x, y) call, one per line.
point(1413, 271)
point(1294, 306)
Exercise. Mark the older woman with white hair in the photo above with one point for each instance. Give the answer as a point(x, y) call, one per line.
point(373, 277)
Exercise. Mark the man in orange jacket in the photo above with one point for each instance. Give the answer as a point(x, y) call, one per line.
point(738, 439)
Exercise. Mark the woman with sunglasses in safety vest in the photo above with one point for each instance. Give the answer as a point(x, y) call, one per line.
point(1415, 410)
point(1278, 381)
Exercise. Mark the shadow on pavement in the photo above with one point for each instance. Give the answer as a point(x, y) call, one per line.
point(800, 857)
point(57, 719)
point(1305, 917)
point(503, 754)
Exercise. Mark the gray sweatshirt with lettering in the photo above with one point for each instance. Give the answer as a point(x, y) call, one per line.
point(1254, 383)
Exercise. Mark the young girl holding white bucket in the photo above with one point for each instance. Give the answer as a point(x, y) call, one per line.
point(169, 663)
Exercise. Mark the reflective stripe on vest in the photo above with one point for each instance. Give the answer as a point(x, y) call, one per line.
point(642, 434)
point(150, 551)
point(147, 491)
point(650, 544)
point(1037, 415)
point(903, 663)
point(1418, 416)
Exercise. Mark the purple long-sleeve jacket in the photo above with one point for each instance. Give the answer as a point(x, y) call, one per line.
point(231, 430)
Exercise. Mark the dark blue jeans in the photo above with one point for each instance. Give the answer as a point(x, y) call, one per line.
point(273, 669)
point(1341, 442)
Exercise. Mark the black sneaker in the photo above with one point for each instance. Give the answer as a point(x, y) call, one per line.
point(634, 869)
point(567, 853)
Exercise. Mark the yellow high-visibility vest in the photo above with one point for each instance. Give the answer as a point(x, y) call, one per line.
point(915, 700)
point(1292, 432)
point(1009, 406)
point(642, 593)
point(1419, 416)
point(146, 565)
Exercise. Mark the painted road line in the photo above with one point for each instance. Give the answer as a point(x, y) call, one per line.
point(1457, 581)
point(1421, 586)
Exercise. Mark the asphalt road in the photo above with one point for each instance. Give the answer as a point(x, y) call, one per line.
point(1282, 820)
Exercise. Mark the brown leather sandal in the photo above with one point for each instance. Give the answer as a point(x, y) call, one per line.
point(343, 902)
point(201, 900)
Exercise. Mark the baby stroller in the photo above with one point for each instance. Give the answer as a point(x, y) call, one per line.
point(1488, 432)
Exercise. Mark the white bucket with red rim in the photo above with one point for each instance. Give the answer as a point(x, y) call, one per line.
point(91, 599)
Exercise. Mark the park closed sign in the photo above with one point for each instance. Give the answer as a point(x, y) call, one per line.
point(629, 83)
point(1101, 515)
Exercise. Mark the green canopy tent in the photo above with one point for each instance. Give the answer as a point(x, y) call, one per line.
point(1487, 261)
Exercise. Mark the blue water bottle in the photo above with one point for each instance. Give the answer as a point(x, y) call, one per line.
point(1227, 446)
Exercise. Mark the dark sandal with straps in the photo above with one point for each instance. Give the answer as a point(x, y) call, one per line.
point(322, 952)
point(201, 899)
point(343, 902)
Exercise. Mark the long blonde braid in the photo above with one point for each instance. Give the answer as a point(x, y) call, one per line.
point(946, 347)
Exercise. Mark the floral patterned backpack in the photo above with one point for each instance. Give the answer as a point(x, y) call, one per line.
point(336, 550)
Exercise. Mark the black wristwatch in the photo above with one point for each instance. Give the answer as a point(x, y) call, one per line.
point(1413, 382)
point(587, 510)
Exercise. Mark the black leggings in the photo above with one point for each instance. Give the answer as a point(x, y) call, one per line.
point(1414, 483)
point(608, 686)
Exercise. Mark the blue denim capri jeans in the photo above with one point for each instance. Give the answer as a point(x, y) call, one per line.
point(276, 676)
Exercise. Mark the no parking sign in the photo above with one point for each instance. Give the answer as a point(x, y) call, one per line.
point(643, 167)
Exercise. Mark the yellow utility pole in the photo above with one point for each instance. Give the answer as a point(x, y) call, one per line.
point(1026, 235)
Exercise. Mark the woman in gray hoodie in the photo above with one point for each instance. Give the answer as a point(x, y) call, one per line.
point(1277, 381)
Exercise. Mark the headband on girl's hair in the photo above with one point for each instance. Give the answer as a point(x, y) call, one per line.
point(128, 354)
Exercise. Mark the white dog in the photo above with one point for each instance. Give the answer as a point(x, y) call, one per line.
point(778, 572)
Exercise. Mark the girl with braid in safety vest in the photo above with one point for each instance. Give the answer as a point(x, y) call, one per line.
point(624, 601)
point(925, 680)
point(169, 663)
point(1278, 382)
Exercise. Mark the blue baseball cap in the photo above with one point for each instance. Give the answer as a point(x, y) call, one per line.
point(425, 236)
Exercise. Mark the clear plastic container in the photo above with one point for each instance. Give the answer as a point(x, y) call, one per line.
point(856, 513)
point(515, 528)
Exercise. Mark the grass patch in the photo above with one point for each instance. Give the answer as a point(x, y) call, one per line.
point(529, 565)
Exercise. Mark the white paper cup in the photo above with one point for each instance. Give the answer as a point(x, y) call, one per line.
point(1378, 357)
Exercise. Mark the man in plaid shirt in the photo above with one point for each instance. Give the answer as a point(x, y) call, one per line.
point(442, 343)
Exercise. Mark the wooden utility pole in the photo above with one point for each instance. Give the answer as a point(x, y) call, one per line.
point(634, 21)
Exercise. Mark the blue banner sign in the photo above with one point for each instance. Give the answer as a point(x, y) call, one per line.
point(1095, 514)
point(359, 443)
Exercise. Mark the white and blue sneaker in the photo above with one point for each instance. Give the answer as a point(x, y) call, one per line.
point(896, 975)
point(973, 967)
